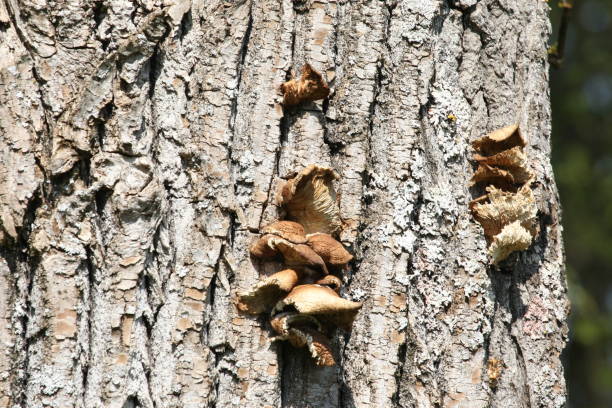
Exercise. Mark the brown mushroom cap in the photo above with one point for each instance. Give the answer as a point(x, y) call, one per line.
point(291, 231)
point(500, 140)
point(310, 199)
point(309, 87)
point(261, 249)
point(267, 292)
point(297, 254)
point(323, 303)
point(332, 251)
point(331, 281)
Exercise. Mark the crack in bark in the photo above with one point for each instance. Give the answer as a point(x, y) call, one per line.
point(239, 68)
point(523, 367)
point(91, 282)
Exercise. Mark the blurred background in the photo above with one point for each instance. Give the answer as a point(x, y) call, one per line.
point(581, 91)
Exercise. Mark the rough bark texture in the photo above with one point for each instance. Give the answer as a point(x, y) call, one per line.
point(141, 143)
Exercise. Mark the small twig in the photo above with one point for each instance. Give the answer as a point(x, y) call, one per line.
point(555, 52)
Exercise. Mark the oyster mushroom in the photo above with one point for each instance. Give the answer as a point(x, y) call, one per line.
point(308, 88)
point(267, 292)
point(500, 140)
point(310, 199)
point(261, 249)
point(321, 302)
point(332, 251)
point(304, 331)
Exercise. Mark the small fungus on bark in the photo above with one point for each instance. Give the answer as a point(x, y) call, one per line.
point(304, 331)
point(321, 302)
point(310, 199)
point(500, 140)
point(331, 281)
point(308, 88)
point(268, 291)
point(332, 251)
point(298, 254)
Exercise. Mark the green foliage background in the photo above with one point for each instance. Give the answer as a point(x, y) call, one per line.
point(581, 92)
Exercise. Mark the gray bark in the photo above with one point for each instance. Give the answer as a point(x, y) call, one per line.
point(141, 146)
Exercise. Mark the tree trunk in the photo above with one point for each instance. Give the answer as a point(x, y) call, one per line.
point(141, 147)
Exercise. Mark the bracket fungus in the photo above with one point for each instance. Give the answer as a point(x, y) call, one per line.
point(310, 199)
point(508, 211)
point(309, 87)
point(321, 302)
point(500, 140)
point(302, 312)
point(268, 291)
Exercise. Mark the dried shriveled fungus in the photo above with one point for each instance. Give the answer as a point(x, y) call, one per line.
point(304, 331)
point(506, 168)
point(504, 208)
point(500, 140)
point(267, 292)
point(310, 199)
point(308, 88)
point(302, 312)
point(323, 303)
point(508, 211)
point(513, 237)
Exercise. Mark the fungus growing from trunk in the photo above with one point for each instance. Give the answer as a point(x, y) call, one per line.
point(331, 281)
point(503, 169)
point(508, 211)
point(288, 230)
point(310, 199)
point(500, 140)
point(309, 87)
point(304, 331)
point(268, 291)
point(504, 208)
point(321, 302)
point(298, 254)
point(332, 251)
point(302, 312)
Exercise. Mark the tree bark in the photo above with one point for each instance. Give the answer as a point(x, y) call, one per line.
point(141, 147)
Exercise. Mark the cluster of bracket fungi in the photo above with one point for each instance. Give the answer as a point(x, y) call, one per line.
point(507, 212)
point(303, 299)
